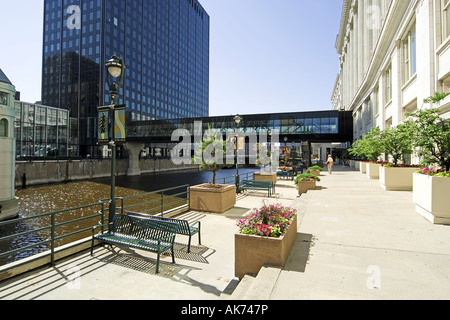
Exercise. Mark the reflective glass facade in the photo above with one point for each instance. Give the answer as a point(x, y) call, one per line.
point(319, 126)
point(41, 131)
point(165, 46)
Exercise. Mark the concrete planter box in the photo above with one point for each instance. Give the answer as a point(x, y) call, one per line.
point(253, 252)
point(315, 172)
point(218, 199)
point(430, 194)
point(397, 178)
point(373, 170)
point(357, 164)
point(304, 186)
point(363, 167)
point(265, 176)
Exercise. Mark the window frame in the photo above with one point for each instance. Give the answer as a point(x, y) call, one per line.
point(445, 19)
point(388, 84)
point(6, 97)
point(4, 128)
point(410, 53)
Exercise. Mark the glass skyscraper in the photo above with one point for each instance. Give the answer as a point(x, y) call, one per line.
point(164, 44)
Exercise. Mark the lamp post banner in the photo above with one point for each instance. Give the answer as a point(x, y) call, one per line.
point(103, 125)
point(119, 127)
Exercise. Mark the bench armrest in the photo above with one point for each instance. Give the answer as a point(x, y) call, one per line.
point(192, 225)
point(167, 238)
point(99, 226)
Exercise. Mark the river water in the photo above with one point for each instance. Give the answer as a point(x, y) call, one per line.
point(50, 198)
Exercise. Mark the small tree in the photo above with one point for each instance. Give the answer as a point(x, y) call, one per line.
point(432, 137)
point(212, 154)
point(397, 142)
point(369, 147)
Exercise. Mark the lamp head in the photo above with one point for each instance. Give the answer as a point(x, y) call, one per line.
point(115, 67)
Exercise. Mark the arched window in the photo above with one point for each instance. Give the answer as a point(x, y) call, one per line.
point(3, 128)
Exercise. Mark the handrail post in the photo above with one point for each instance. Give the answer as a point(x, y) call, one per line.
point(162, 203)
point(52, 240)
point(189, 197)
point(103, 216)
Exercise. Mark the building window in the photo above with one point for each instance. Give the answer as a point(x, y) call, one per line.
point(409, 54)
point(388, 85)
point(4, 98)
point(3, 128)
point(446, 18)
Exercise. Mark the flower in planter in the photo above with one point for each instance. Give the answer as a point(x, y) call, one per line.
point(399, 165)
point(314, 168)
point(306, 177)
point(434, 172)
point(268, 221)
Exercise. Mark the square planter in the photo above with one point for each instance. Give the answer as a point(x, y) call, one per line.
point(397, 178)
point(430, 194)
point(265, 176)
point(207, 198)
point(315, 172)
point(304, 186)
point(362, 167)
point(373, 170)
point(253, 252)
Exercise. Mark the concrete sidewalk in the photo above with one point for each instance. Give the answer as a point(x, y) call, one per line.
point(355, 241)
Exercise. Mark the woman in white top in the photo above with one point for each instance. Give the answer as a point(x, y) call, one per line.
point(330, 163)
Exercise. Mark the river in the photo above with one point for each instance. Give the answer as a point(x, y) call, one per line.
point(49, 198)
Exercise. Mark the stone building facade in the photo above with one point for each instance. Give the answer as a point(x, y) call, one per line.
point(393, 54)
point(8, 202)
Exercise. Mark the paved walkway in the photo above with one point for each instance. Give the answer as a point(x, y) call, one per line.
point(355, 241)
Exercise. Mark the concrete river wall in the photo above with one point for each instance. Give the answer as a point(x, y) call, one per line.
point(44, 172)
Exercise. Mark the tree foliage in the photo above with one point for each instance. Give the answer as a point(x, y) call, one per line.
point(397, 141)
point(432, 137)
point(369, 147)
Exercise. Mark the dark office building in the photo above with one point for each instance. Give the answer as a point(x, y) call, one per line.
point(164, 44)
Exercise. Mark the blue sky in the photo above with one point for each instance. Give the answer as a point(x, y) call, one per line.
point(266, 56)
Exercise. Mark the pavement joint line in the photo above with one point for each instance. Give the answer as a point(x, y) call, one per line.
point(376, 248)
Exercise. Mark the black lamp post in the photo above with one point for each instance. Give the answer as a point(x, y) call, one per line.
point(237, 120)
point(114, 78)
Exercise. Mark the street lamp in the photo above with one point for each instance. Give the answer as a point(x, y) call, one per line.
point(237, 120)
point(116, 70)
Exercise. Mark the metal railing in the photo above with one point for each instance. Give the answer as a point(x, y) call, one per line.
point(232, 179)
point(158, 202)
point(51, 241)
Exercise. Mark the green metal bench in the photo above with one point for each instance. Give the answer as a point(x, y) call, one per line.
point(258, 185)
point(184, 228)
point(144, 234)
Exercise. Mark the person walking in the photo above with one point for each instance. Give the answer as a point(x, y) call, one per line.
point(330, 163)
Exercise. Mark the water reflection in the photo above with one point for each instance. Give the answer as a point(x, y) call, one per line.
point(50, 198)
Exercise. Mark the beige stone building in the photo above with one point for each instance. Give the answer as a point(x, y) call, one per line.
point(393, 54)
point(8, 202)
